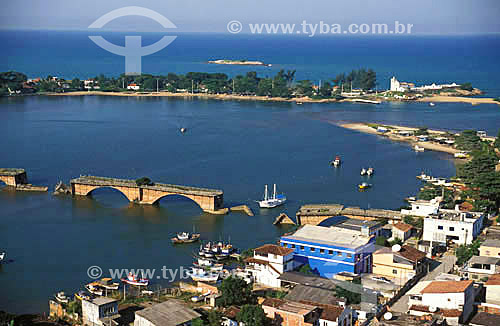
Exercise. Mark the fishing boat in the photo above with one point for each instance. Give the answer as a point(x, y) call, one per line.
point(370, 171)
point(199, 274)
point(363, 171)
point(108, 284)
point(273, 201)
point(83, 295)
point(94, 288)
point(419, 149)
point(185, 237)
point(202, 262)
point(336, 162)
point(61, 297)
point(364, 186)
point(217, 268)
point(134, 280)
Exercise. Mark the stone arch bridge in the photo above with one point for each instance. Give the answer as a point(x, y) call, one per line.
point(208, 199)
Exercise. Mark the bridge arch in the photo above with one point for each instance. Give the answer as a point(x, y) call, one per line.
point(130, 196)
point(190, 197)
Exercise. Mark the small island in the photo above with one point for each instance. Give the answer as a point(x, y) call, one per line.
point(239, 62)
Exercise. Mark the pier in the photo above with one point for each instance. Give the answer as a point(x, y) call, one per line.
point(315, 214)
point(209, 200)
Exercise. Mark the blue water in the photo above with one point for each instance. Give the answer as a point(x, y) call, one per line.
point(421, 59)
point(235, 146)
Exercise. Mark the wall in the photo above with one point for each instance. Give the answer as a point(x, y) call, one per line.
point(493, 293)
point(464, 231)
point(383, 264)
point(139, 321)
point(489, 251)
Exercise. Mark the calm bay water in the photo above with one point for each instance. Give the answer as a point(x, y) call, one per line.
point(234, 146)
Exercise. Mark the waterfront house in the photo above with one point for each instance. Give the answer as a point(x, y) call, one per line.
point(133, 87)
point(423, 207)
point(100, 311)
point(329, 251)
point(168, 313)
point(399, 263)
point(289, 313)
point(401, 231)
point(397, 86)
point(268, 263)
point(490, 248)
point(453, 300)
point(479, 267)
point(452, 225)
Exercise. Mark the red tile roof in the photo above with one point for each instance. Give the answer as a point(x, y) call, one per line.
point(493, 280)
point(447, 287)
point(403, 226)
point(273, 249)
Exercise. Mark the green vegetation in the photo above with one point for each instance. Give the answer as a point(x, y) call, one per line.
point(381, 241)
point(496, 99)
point(466, 87)
point(416, 221)
point(214, 317)
point(253, 315)
point(422, 132)
point(144, 181)
point(235, 291)
point(351, 297)
point(465, 252)
point(275, 294)
point(468, 141)
point(306, 269)
point(361, 79)
point(396, 241)
point(429, 192)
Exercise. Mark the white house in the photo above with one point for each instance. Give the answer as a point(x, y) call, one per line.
point(452, 225)
point(423, 207)
point(401, 231)
point(452, 299)
point(168, 313)
point(479, 267)
point(133, 87)
point(100, 311)
point(335, 316)
point(90, 84)
point(268, 263)
point(397, 86)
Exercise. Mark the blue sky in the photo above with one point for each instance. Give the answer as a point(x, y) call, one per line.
point(427, 16)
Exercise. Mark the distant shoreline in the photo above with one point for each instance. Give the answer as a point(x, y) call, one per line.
point(436, 98)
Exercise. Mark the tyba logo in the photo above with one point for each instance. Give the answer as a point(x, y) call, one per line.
point(133, 50)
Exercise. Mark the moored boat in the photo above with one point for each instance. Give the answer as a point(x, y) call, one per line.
point(94, 288)
point(61, 297)
point(419, 148)
point(2, 255)
point(83, 295)
point(370, 171)
point(363, 171)
point(185, 237)
point(108, 284)
point(199, 274)
point(364, 185)
point(135, 280)
point(336, 162)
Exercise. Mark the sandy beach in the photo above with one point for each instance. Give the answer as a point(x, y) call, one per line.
point(459, 99)
point(365, 128)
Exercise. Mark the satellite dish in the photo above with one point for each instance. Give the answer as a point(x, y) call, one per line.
point(396, 248)
point(432, 309)
point(388, 316)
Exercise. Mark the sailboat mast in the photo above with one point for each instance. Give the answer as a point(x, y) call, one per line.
point(265, 193)
point(274, 192)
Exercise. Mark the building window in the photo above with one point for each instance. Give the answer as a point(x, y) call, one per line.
point(394, 271)
point(349, 255)
point(339, 254)
point(301, 247)
point(330, 252)
point(440, 227)
point(452, 228)
point(322, 251)
point(474, 277)
point(293, 246)
point(312, 249)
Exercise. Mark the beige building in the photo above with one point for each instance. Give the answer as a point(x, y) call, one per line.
point(401, 265)
point(401, 231)
point(490, 248)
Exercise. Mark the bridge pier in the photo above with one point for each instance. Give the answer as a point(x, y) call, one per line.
point(13, 177)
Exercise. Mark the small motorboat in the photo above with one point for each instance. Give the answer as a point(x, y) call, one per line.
point(183, 130)
point(185, 237)
point(432, 104)
point(363, 171)
point(94, 288)
point(83, 295)
point(135, 280)
point(2, 255)
point(199, 274)
point(336, 162)
point(273, 201)
point(202, 262)
point(61, 297)
point(419, 149)
point(108, 284)
point(370, 171)
point(364, 186)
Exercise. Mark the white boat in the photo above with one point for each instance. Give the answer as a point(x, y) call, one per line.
point(363, 171)
point(419, 149)
point(370, 171)
point(199, 274)
point(61, 297)
point(2, 255)
point(432, 104)
point(94, 288)
point(108, 284)
point(204, 262)
point(273, 201)
point(135, 280)
point(336, 162)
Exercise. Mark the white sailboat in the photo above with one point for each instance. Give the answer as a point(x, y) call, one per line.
point(273, 201)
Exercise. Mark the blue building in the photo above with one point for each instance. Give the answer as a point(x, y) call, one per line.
point(329, 251)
